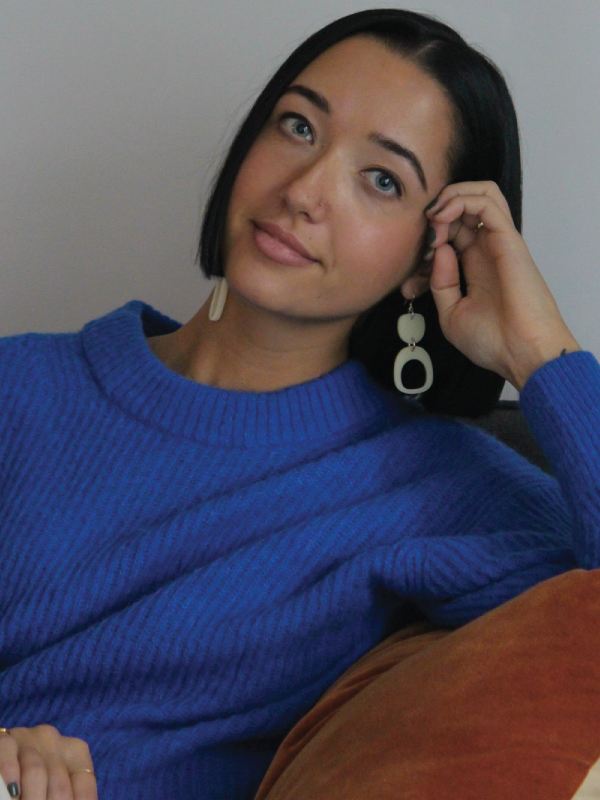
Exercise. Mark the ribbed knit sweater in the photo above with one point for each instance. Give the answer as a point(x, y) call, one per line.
point(188, 569)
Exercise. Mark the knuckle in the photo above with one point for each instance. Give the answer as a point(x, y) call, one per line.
point(47, 731)
point(77, 748)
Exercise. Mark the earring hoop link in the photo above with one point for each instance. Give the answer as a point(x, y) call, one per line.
point(411, 329)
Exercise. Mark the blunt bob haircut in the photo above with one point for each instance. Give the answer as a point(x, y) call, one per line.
point(485, 147)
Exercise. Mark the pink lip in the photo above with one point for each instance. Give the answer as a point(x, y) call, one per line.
point(280, 245)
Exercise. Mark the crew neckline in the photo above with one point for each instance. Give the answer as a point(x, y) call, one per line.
point(331, 406)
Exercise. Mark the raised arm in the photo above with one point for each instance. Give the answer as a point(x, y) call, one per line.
point(509, 322)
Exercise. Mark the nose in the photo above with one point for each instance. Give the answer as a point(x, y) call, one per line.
point(308, 190)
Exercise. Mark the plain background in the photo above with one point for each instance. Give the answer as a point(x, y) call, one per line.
point(114, 117)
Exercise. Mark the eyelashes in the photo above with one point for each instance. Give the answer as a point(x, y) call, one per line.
point(382, 180)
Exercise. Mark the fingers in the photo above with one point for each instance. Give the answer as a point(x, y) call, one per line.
point(84, 785)
point(459, 235)
point(78, 761)
point(47, 766)
point(464, 214)
point(482, 188)
point(445, 283)
point(468, 211)
point(463, 235)
point(34, 775)
point(9, 764)
point(462, 209)
point(59, 781)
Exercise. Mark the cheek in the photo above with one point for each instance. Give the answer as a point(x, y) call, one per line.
point(260, 175)
point(385, 252)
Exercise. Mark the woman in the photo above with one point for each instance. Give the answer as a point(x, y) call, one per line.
point(206, 524)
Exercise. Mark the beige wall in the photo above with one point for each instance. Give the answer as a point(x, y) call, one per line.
point(114, 115)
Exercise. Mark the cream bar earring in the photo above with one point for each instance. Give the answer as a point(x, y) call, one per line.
point(411, 329)
point(217, 303)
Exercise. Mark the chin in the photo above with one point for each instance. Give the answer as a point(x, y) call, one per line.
point(257, 287)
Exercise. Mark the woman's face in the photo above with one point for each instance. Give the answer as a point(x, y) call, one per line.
point(351, 156)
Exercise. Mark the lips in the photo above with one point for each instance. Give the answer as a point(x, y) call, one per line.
point(280, 245)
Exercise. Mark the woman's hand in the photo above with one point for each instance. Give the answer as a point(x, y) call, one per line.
point(40, 764)
point(509, 321)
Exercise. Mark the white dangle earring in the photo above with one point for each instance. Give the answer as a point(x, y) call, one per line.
point(217, 303)
point(411, 329)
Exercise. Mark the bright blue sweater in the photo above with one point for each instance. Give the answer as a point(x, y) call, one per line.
point(188, 569)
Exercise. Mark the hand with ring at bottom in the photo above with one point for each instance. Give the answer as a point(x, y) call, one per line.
point(41, 764)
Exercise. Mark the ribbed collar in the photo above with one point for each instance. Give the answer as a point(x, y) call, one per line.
point(332, 406)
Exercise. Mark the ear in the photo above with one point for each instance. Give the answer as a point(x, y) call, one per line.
point(417, 282)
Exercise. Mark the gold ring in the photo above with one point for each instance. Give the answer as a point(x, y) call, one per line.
point(75, 771)
point(4, 730)
point(479, 226)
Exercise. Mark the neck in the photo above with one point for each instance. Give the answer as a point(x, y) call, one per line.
point(251, 350)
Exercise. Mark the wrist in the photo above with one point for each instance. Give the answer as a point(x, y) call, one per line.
point(534, 357)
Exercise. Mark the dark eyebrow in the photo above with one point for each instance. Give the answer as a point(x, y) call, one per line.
point(314, 97)
point(404, 152)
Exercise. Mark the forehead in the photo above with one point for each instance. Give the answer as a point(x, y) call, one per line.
point(371, 88)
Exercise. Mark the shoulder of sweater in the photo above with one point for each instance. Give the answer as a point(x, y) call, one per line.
point(25, 351)
point(38, 366)
point(31, 362)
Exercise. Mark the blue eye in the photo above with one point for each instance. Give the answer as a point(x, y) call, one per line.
point(297, 126)
point(384, 181)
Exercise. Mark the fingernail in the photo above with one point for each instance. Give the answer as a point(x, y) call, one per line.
point(431, 205)
point(13, 789)
point(431, 236)
point(429, 254)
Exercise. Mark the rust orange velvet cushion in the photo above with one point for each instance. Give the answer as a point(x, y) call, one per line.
point(505, 707)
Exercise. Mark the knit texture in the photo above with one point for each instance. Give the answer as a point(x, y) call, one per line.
point(188, 569)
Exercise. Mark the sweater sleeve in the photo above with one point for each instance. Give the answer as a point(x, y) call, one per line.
point(561, 403)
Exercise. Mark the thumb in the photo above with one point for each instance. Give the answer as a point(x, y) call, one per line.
point(445, 282)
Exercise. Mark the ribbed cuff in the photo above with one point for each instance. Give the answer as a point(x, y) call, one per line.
point(561, 402)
